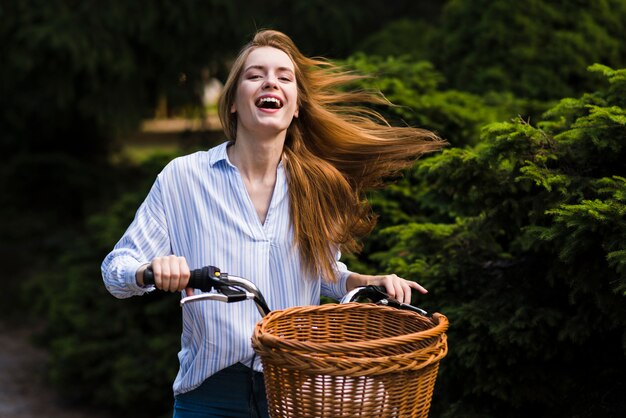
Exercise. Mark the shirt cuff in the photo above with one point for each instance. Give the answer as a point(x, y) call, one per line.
point(130, 278)
point(119, 277)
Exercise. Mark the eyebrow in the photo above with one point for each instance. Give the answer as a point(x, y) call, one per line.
point(262, 67)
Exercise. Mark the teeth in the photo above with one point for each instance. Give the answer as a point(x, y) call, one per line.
point(269, 100)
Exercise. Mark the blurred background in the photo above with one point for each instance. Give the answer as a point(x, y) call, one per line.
point(517, 229)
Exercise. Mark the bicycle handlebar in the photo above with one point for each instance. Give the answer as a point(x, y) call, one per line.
point(229, 288)
point(234, 289)
point(205, 278)
point(379, 296)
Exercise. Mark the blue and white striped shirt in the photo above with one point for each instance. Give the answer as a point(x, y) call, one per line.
point(199, 208)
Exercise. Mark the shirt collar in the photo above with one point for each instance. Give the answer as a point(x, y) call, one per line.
point(219, 154)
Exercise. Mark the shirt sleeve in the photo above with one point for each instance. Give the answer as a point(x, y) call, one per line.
point(145, 238)
point(338, 289)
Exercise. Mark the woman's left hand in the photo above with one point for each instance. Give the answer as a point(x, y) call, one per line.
point(397, 287)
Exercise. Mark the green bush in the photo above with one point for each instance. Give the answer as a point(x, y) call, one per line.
point(532, 49)
point(106, 352)
point(535, 49)
point(523, 249)
point(414, 89)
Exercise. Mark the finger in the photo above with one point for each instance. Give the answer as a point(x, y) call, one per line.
point(185, 273)
point(417, 287)
point(165, 275)
point(400, 292)
point(390, 286)
point(174, 274)
point(156, 269)
point(404, 295)
point(188, 291)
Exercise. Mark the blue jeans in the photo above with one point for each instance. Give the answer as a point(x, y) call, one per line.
point(235, 392)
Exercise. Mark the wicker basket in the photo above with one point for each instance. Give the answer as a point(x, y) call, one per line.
point(349, 360)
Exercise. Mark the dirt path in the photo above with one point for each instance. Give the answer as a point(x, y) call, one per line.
point(23, 390)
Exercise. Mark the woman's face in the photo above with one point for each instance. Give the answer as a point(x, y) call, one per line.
point(267, 93)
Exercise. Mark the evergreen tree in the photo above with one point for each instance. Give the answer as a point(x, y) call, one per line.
point(414, 89)
point(532, 49)
point(524, 249)
point(536, 48)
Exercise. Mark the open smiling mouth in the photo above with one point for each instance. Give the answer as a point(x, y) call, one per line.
point(269, 103)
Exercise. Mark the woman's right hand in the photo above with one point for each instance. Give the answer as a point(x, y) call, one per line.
point(171, 273)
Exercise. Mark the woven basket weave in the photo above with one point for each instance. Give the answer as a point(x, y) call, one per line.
point(349, 360)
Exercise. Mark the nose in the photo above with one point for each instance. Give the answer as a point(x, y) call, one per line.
point(271, 82)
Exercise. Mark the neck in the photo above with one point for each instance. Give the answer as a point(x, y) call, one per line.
point(255, 157)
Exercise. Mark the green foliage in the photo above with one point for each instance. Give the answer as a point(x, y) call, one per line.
point(533, 48)
point(77, 77)
point(330, 28)
point(401, 37)
point(414, 88)
point(521, 244)
point(82, 73)
point(104, 351)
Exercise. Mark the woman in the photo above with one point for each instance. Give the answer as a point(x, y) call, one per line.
point(274, 204)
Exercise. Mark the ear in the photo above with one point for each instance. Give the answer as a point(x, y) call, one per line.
point(295, 114)
point(233, 109)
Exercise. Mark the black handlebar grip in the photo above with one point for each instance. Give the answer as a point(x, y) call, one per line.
point(202, 279)
point(148, 276)
point(381, 289)
point(205, 278)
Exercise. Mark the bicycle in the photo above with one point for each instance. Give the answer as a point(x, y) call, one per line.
point(376, 359)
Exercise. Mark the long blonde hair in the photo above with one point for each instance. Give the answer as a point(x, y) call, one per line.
point(334, 151)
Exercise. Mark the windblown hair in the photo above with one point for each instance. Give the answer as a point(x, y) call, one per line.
point(334, 152)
